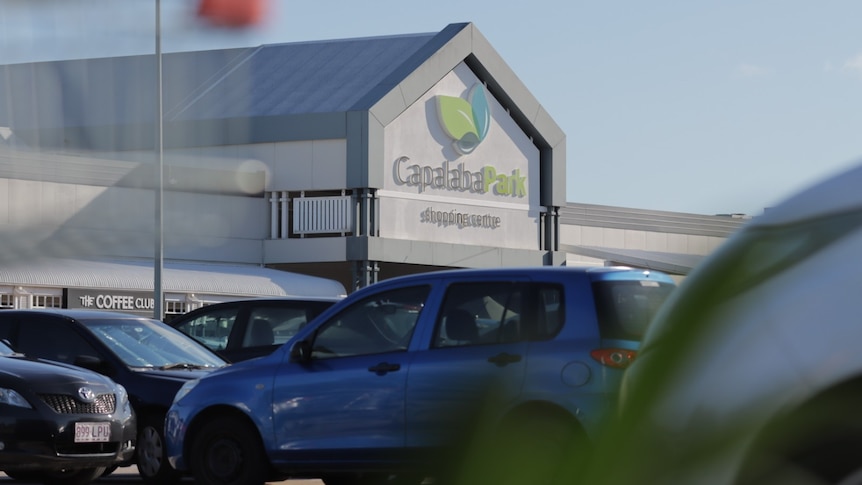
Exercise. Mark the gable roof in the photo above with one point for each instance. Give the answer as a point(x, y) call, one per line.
point(270, 80)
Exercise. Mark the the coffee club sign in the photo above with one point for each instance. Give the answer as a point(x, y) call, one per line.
point(466, 122)
point(111, 300)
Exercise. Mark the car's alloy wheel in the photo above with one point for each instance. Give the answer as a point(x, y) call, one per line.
point(151, 454)
point(228, 451)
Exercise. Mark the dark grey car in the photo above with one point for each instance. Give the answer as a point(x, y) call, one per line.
point(60, 424)
point(254, 327)
point(150, 359)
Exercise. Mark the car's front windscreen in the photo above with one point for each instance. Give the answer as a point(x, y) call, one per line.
point(149, 344)
point(5, 349)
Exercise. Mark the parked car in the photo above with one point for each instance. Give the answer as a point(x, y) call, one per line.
point(752, 373)
point(385, 384)
point(254, 327)
point(150, 359)
point(60, 424)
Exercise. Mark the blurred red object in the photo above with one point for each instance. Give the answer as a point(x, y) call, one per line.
point(232, 13)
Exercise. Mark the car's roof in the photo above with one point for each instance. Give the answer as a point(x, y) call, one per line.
point(515, 271)
point(265, 299)
point(835, 194)
point(520, 270)
point(78, 314)
point(278, 299)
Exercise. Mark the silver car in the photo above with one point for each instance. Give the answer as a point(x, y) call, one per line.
point(751, 373)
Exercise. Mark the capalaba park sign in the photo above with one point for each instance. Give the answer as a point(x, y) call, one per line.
point(466, 122)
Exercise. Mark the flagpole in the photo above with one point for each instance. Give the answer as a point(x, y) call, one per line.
point(158, 260)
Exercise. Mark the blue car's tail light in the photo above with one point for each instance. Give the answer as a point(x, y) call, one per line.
point(616, 358)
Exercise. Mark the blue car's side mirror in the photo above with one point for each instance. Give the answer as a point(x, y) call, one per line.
point(301, 351)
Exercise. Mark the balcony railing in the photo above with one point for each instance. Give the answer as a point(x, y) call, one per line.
point(311, 215)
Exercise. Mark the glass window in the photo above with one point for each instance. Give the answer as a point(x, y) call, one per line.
point(380, 323)
point(5, 350)
point(212, 328)
point(499, 312)
point(625, 308)
point(481, 313)
point(53, 341)
point(551, 311)
point(174, 307)
point(47, 301)
point(149, 343)
point(285, 320)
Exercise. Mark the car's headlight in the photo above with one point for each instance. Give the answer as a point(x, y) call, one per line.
point(187, 388)
point(123, 399)
point(12, 398)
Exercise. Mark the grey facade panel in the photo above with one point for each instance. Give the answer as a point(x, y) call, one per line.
point(310, 251)
point(449, 255)
point(242, 131)
point(553, 172)
point(235, 131)
point(225, 177)
point(358, 165)
point(552, 134)
point(377, 167)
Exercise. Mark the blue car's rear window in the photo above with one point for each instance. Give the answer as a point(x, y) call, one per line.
point(625, 308)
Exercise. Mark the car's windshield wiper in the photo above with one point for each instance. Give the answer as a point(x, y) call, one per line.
point(182, 365)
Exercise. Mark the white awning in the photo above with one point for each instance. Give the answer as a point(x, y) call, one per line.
point(198, 278)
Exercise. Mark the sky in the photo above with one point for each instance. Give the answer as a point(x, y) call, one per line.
point(709, 107)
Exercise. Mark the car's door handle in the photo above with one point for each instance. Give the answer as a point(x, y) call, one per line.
point(504, 359)
point(383, 368)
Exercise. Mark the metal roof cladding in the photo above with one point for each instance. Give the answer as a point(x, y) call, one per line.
point(215, 279)
point(270, 80)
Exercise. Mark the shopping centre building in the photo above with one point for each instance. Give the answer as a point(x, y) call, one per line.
point(290, 167)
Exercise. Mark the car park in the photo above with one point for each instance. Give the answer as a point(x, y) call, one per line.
point(150, 359)
point(60, 424)
point(751, 373)
point(247, 328)
point(392, 383)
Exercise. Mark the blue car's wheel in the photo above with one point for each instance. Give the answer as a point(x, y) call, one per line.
point(228, 451)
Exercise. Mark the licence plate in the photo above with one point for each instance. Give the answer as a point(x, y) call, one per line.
point(92, 432)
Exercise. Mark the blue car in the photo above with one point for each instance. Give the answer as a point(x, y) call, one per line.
point(403, 379)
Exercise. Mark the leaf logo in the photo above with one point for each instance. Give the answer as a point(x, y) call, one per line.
point(465, 120)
